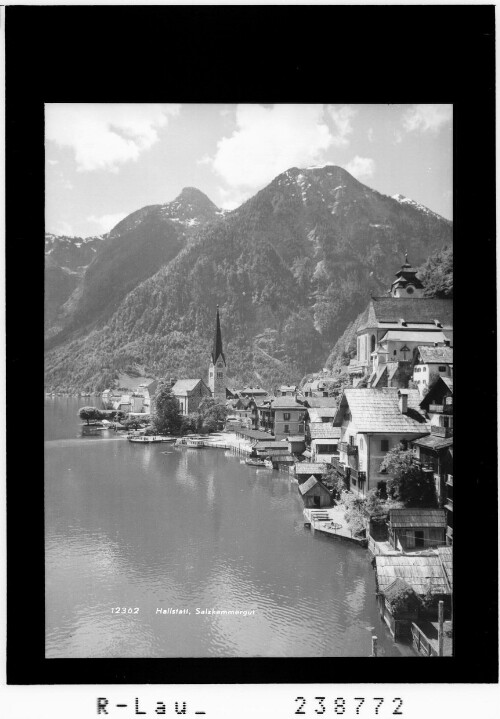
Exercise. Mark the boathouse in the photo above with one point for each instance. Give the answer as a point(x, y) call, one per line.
point(314, 493)
point(303, 470)
point(417, 528)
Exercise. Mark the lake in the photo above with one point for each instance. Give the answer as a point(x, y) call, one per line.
point(170, 534)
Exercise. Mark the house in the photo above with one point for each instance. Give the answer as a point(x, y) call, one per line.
point(252, 392)
point(315, 388)
point(244, 409)
point(287, 390)
point(391, 327)
point(372, 422)
point(438, 404)
point(282, 416)
point(435, 456)
point(189, 394)
point(417, 528)
point(324, 439)
point(403, 581)
point(431, 363)
point(314, 493)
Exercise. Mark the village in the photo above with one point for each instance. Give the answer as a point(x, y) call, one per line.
point(373, 465)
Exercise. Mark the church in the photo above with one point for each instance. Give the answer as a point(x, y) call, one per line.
point(190, 392)
point(393, 327)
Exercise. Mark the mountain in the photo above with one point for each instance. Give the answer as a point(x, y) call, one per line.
point(290, 269)
point(136, 248)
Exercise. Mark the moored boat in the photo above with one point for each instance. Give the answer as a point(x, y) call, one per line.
point(194, 442)
point(255, 462)
point(149, 439)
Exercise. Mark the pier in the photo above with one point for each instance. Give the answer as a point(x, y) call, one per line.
point(330, 520)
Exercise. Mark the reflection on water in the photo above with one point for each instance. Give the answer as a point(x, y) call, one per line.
point(132, 526)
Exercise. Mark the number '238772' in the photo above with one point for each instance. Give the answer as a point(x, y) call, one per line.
point(358, 706)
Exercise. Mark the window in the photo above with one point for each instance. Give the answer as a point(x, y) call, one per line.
point(373, 343)
point(384, 445)
point(361, 445)
point(326, 448)
point(417, 369)
point(442, 368)
point(220, 375)
point(395, 352)
point(286, 429)
point(353, 481)
point(301, 428)
point(409, 290)
point(211, 373)
point(286, 416)
point(351, 440)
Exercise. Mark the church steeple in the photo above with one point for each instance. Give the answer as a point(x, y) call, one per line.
point(217, 369)
point(407, 283)
point(217, 348)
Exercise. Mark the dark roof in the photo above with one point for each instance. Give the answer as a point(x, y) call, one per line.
point(310, 467)
point(252, 433)
point(417, 517)
point(433, 441)
point(217, 348)
point(283, 457)
point(413, 310)
point(439, 388)
point(436, 354)
point(377, 410)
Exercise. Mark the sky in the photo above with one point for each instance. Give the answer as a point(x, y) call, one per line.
point(104, 161)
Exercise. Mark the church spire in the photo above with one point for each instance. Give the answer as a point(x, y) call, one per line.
point(217, 348)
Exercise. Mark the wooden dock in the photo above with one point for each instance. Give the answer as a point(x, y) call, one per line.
point(330, 521)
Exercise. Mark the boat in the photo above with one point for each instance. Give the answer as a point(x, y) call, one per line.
point(149, 439)
point(255, 462)
point(196, 443)
point(268, 463)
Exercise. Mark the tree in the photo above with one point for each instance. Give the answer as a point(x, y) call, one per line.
point(167, 418)
point(212, 413)
point(133, 423)
point(354, 511)
point(437, 274)
point(90, 414)
point(406, 481)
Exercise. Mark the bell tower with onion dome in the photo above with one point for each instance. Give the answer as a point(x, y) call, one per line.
point(218, 367)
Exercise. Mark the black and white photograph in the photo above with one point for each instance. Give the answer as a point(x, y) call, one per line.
point(232, 239)
point(249, 380)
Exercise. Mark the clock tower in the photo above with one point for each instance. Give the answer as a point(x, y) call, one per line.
point(218, 368)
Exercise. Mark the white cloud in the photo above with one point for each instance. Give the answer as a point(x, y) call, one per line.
point(104, 136)
point(361, 167)
point(423, 118)
point(105, 223)
point(61, 227)
point(270, 140)
point(341, 116)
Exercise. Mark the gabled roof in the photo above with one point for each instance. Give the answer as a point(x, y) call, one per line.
point(441, 387)
point(185, 386)
point(310, 467)
point(417, 517)
point(324, 430)
point(420, 571)
point(287, 403)
point(306, 486)
point(318, 402)
point(433, 441)
point(377, 410)
point(412, 335)
point(412, 310)
point(442, 355)
point(316, 413)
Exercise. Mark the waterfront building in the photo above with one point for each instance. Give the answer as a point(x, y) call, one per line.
point(431, 363)
point(218, 367)
point(372, 422)
point(189, 394)
point(324, 442)
point(282, 416)
point(416, 528)
point(303, 470)
point(314, 493)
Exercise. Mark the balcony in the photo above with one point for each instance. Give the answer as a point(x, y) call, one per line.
point(449, 480)
point(340, 468)
point(449, 505)
point(358, 475)
point(441, 431)
point(441, 408)
point(350, 449)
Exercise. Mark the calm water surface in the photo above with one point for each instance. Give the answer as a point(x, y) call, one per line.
point(158, 527)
